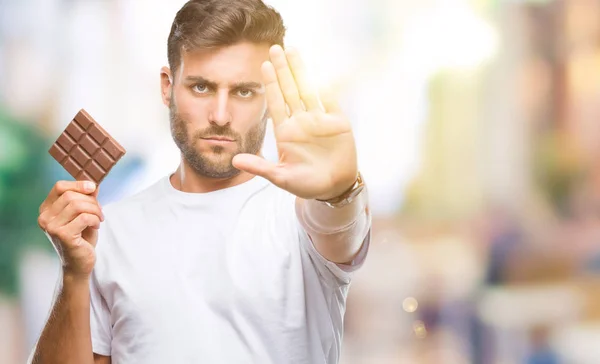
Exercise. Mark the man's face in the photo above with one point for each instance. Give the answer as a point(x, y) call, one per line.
point(217, 106)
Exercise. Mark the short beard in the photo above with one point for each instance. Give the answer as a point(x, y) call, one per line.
point(203, 165)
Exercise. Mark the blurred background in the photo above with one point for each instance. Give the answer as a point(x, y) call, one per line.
point(478, 133)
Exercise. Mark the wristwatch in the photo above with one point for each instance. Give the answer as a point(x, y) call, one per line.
point(348, 196)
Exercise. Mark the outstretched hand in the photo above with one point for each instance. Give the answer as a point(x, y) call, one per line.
point(315, 144)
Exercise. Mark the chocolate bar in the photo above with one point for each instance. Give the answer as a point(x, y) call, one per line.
point(86, 150)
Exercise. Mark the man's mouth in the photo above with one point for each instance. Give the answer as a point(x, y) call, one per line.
point(219, 138)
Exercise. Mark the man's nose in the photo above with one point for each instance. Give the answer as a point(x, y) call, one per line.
point(220, 114)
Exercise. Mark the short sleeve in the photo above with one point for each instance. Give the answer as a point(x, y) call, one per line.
point(99, 320)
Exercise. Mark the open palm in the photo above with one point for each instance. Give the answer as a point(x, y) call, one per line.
point(317, 152)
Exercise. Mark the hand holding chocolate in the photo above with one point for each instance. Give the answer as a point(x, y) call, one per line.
point(71, 215)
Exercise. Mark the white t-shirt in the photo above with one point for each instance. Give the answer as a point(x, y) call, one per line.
point(223, 277)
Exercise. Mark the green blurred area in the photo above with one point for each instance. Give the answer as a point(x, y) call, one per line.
point(24, 183)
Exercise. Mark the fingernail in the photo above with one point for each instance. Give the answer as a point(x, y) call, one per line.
point(89, 186)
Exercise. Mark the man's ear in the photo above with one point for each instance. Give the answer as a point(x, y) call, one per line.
point(166, 84)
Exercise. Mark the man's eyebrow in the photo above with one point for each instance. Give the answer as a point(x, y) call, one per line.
point(251, 84)
point(202, 80)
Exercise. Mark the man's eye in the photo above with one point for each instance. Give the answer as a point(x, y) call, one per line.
point(200, 88)
point(245, 93)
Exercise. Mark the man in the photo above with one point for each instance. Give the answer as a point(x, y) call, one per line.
point(231, 258)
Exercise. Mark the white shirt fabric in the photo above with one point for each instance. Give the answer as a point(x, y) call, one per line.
point(223, 277)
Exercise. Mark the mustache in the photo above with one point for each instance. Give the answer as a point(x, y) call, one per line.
point(217, 130)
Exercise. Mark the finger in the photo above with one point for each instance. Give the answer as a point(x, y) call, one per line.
point(307, 92)
point(60, 187)
point(329, 125)
point(259, 166)
point(329, 101)
point(275, 100)
point(91, 235)
point(69, 197)
point(71, 234)
point(74, 209)
point(286, 79)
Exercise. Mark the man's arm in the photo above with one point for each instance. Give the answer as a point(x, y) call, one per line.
point(337, 233)
point(66, 338)
point(317, 157)
point(100, 359)
point(70, 217)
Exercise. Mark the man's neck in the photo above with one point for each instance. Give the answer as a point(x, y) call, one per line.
point(186, 179)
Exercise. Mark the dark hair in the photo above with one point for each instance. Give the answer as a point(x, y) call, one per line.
point(205, 24)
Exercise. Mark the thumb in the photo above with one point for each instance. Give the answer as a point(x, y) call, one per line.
point(259, 166)
point(95, 195)
point(96, 191)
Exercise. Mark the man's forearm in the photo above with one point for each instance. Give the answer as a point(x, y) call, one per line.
point(337, 233)
point(66, 338)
